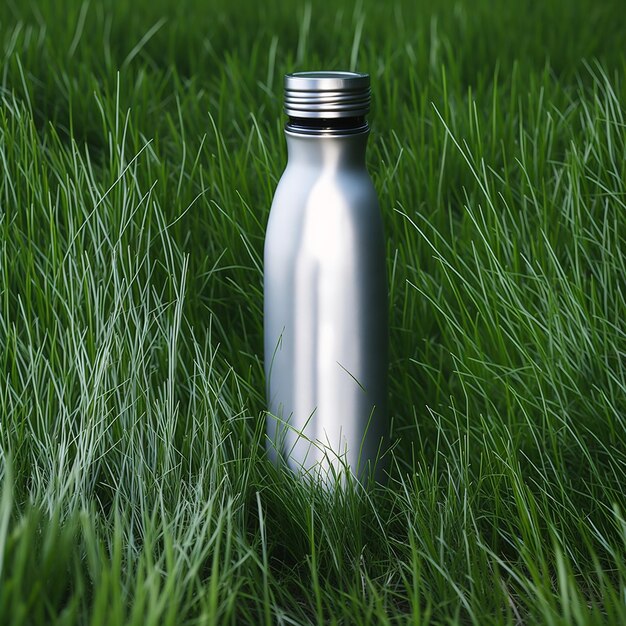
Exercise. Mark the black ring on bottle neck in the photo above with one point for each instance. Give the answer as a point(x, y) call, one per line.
point(327, 125)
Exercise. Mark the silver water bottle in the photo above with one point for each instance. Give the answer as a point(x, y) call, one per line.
point(325, 286)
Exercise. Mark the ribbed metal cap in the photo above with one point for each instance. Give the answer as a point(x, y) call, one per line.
point(327, 94)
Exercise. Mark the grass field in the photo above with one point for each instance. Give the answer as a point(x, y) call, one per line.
point(140, 144)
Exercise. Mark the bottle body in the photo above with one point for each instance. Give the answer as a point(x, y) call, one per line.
point(325, 309)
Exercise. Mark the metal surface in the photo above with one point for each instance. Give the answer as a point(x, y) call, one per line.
point(327, 94)
point(326, 309)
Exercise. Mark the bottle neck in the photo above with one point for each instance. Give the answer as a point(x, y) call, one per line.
point(327, 150)
point(327, 125)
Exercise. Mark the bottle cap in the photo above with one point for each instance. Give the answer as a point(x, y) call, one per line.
point(327, 94)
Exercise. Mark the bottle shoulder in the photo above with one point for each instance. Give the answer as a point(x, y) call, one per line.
point(302, 184)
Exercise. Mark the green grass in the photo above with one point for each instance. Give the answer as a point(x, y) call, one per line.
point(140, 144)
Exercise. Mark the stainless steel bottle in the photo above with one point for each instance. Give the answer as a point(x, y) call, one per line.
point(325, 285)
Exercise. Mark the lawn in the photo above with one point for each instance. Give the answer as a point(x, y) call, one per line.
point(140, 144)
